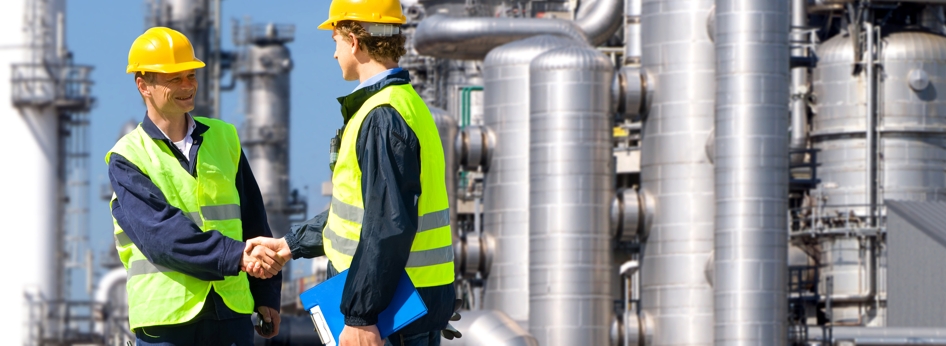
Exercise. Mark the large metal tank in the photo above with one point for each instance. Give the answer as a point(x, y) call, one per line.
point(570, 192)
point(751, 172)
point(911, 121)
point(911, 153)
point(676, 174)
point(265, 70)
point(506, 198)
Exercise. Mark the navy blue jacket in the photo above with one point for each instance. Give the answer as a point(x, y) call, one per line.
point(168, 238)
point(388, 154)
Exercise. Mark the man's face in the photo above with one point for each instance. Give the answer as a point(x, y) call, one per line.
point(345, 54)
point(173, 93)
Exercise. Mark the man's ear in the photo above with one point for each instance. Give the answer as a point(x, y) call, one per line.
point(143, 86)
point(354, 42)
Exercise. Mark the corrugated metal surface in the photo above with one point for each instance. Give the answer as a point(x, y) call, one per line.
point(916, 286)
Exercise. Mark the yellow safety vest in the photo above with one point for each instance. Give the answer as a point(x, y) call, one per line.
point(431, 259)
point(159, 295)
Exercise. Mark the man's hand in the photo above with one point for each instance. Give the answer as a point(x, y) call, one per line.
point(265, 257)
point(268, 315)
point(360, 336)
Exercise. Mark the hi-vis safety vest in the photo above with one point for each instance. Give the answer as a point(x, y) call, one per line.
point(431, 259)
point(161, 296)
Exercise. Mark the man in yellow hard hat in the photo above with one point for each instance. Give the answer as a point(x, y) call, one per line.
point(185, 201)
point(389, 212)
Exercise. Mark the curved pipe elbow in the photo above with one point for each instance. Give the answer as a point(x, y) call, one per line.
point(489, 328)
point(601, 20)
point(471, 38)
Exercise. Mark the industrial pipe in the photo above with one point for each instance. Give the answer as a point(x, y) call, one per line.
point(600, 20)
point(506, 98)
point(678, 222)
point(632, 32)
point(870, 166)
point(799, 89)
point(751, 159)
point(626, 215)
point(489, 328)
point(570, 183)
point(629, 92)
point(114, 277)
point(883, 336)
point(471, 38)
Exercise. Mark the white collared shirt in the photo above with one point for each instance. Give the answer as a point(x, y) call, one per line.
point(185, 144)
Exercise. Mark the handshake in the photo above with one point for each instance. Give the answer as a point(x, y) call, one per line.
point(264, 257)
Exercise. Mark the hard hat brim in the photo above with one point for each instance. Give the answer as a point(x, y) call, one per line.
point(167, 68)
point(330, 23)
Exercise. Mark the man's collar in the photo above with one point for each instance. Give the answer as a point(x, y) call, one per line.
point(352, 102)
point(155, 133)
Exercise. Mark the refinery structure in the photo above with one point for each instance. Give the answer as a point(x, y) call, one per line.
point(621, 172)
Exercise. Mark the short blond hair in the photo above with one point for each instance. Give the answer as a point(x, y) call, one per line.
point(379, 48)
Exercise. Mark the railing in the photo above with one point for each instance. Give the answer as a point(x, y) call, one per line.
point(840, 220)
point(62, 322)
point(65, 86)
point(263, 33)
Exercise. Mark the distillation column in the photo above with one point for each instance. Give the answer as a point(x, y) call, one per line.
point(751, 157)
point(570, 192)
point(506, 199)
point(31, 126)
point(676, 172)
point(265, 71)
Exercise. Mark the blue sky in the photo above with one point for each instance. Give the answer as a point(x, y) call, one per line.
point(99, 33)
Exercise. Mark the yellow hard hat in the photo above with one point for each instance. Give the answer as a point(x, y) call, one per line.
point(371, 11)
point(162, 50)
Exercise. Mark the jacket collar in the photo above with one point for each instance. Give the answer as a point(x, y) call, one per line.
point(352, 102)
point(155, 133)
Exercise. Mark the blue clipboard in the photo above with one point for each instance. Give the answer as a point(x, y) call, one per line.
point(323, 302)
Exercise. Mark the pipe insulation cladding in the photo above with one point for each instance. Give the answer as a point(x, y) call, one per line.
point(751, 161)
point(506, 196)
point(570, 192)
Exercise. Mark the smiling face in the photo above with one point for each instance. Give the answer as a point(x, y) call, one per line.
point(345, 54)
point(170, 93)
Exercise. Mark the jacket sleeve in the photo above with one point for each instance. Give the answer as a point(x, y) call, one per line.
point(161, 231)
point(389, 157)
point(266, 292)
point(305, 239)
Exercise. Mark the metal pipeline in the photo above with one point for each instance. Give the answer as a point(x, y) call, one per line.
point(489, 328)
point(870, 166)
point(632, 32)
point(751, 159)
point(800, 83)
point(471, 38)
point(103, 289)
point(866, 336)
point(600, 20)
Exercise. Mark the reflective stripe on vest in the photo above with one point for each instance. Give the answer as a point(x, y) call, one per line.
point(158, 295)
point(430, 262)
